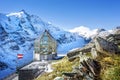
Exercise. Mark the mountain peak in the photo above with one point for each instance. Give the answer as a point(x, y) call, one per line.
point(19, 14)
point(23, 11)
point(84, 31)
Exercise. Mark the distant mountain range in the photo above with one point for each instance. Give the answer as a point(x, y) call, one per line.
point(86, 32)
point(18, 32)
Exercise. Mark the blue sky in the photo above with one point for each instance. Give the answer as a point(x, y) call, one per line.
point(69, 13)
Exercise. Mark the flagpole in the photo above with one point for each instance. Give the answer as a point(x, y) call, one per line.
point(17, 64)
point(19, 56)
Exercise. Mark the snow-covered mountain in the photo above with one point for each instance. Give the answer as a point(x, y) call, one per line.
point(17, 34)
point(86, 32)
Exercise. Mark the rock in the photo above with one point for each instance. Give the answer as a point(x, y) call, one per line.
point(94, 53)
point(75, 53)
point(104, 46)
point(72, 76)
point(58, 78)
point(15, 47)
point(118, 27)
point(117, 30)
point(115, 38)
point(3, 65)
point(88, 70)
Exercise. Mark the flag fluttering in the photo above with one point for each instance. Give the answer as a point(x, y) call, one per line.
point(19, 56)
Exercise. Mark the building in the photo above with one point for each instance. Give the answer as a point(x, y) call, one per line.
point(32, 70)
point(45, 47)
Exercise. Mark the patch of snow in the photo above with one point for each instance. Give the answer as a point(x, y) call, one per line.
point(74, 49)
point(84, 31)
point(88, 33)
point(49, 68)
point(36, 65)
point(103, 34)
point(49, 22)
point(110, 31)
point(59, 78)
point(17, 14)
point(60, 55)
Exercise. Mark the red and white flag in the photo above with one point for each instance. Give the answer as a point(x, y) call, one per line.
point(19, 56)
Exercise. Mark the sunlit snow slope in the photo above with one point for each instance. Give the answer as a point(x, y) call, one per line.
point(18, 32)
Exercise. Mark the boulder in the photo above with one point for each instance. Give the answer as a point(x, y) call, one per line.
point(75, 53)
point(115, 38)
point(105, 46)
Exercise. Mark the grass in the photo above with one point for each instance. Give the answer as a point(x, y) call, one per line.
point(119, 46)
point(112, 73)
point(110, 64)
point(88, 54)
point(110, 67)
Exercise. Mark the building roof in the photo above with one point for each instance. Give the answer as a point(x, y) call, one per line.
point(46, 31)
point(49, 34)
point(34, 65)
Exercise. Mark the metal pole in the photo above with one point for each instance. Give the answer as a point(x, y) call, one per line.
point(17, 65)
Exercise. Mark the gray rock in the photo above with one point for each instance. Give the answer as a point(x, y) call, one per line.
point(94, 53)
point(105, 46)
point(75, 53)
point(88, 70)
point(58, 78)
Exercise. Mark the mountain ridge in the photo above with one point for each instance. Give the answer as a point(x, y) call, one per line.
point(86, 32)
point(18, 32)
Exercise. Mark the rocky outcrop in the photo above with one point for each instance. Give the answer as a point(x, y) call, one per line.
point(3, 65)
point(105, 46)
point(108, 43)
point(88, 69)
point(74, 53)
point(115, 38)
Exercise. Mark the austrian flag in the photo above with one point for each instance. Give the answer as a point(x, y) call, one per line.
point(19, 56)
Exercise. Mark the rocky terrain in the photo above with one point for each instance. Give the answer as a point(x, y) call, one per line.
point(101, 47)
point(108, 43)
